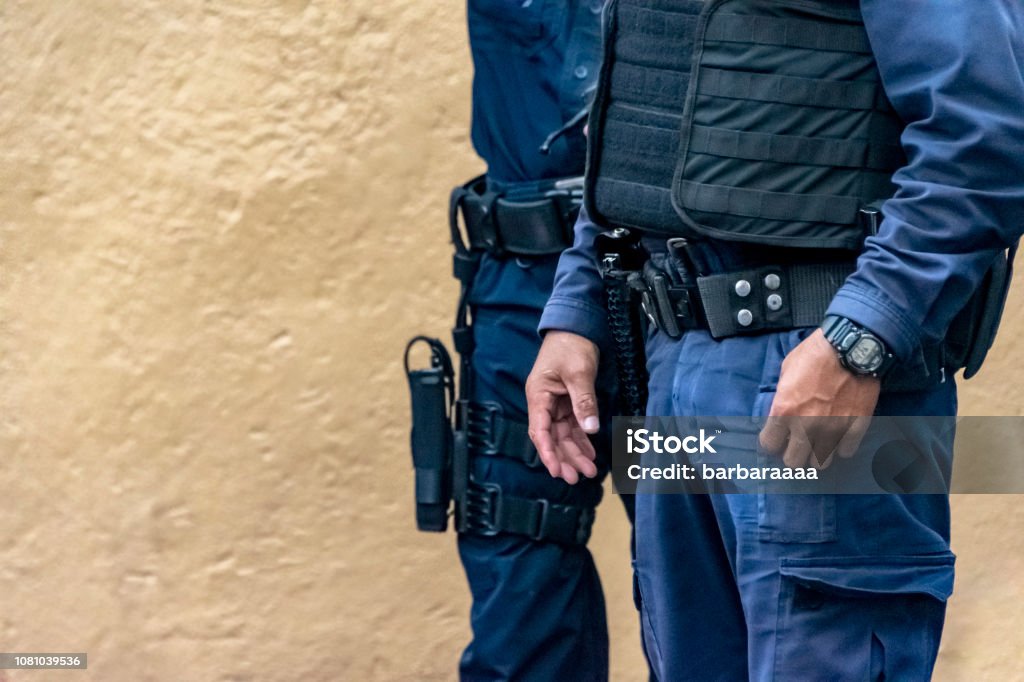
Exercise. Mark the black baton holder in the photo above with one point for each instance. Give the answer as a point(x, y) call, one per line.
point(432, 390)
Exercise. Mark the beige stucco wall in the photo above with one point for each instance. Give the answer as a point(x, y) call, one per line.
point(219, 222)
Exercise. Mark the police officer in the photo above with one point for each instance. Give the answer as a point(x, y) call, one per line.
point(538, 610)
point(826, 185)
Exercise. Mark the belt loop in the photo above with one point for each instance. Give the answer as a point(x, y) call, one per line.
point(538, 532)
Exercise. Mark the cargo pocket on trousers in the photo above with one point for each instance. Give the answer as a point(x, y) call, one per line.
point(788, 517)
point(861, 618)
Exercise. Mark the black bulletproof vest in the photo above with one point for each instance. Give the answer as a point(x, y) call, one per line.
point(759, 121)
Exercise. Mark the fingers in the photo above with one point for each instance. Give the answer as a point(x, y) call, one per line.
point(774, 436)
point(540, 411)
point(798, 449)
point(562, 404)
point(851, 440)
point(561, 444)
point(824, 433)
point(581, 439)
point(787, 438)
point(570, 450)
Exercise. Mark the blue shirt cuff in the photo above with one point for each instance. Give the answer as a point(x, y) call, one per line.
point(876, 312)
point(578, 317)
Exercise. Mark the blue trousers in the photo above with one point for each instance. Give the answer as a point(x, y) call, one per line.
point(785, 587)
point(538, 610)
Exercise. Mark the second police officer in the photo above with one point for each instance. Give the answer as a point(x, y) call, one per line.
point(538, 611)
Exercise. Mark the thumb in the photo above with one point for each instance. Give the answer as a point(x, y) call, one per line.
point(580, 385)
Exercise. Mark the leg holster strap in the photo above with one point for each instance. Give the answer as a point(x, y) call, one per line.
point(491, 434)
point(487, 510)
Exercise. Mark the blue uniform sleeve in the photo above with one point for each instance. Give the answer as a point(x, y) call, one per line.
point(954, 71)
point(577, 301)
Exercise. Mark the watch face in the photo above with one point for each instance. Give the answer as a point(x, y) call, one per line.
point(866, 355)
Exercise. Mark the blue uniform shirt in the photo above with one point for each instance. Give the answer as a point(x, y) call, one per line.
point(954, 71)
point(535, 65)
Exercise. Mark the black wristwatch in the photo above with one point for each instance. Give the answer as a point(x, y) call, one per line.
point(860, 351)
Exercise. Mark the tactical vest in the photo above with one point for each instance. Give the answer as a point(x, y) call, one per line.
point(759, 121)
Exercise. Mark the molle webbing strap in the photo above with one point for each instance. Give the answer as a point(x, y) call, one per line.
point(793, 149)
point(787, 89)
point(640, 140)
point(806, 92)
point(644, 205)
point(657, 87)
point(808, 35)
point(752, 203)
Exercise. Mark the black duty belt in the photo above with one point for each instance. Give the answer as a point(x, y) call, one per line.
point(763, 299)
point(536, 225)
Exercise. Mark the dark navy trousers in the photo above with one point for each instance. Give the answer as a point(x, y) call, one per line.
point(538, 610)
point(785, 587)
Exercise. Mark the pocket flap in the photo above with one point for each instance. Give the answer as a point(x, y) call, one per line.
point(872, 576)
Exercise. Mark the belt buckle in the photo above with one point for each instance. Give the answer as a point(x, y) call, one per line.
point(585, 525)
point(481, 427)
point(481, 508)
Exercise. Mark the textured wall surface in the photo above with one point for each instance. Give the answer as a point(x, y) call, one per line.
point(219, 222)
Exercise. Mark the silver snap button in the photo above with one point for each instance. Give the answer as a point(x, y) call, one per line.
point(596, 5)
point(744, 317)
point(772, 281)
point(774, 302)
point(581, 72)
point(742, 288)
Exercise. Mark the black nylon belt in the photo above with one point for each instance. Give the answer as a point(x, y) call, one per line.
point(492, 434)
point(537, 226)
point(770, 298)
point(488, 511)
point(721, 303)
point(755, 300)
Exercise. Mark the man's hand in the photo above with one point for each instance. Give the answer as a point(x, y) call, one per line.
point(562, 404)
point(820, 408)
